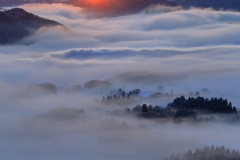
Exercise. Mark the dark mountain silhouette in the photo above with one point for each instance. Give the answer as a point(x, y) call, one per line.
point(16, 24)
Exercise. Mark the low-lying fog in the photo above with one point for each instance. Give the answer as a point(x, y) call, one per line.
point(181, 50)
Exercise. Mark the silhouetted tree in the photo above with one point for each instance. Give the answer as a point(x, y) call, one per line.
point(144, 108)
point(218, 153)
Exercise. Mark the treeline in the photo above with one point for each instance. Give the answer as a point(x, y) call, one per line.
point(204, 105)
point(196, 109)
point(121, 97)
point(208, 153)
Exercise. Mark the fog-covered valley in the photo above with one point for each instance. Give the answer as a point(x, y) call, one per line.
point(53, 83)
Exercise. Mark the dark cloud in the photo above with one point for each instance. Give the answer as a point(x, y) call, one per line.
point(105, 8)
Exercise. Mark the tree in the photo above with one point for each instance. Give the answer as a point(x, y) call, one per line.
point(197, 94)
point(103, 99)
point(144, 108)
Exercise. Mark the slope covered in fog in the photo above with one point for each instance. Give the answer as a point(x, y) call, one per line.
point(17, 24)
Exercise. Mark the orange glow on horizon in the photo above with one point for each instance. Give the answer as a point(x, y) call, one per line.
point(96, 4)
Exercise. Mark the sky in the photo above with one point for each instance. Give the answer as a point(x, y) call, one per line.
point(179, 49)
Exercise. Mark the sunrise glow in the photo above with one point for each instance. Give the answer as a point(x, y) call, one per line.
point(94, 4)
point(98, 5)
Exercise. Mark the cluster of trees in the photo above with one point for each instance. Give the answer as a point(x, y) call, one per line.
point(192, 94)
point(204, 105)
point(146, 109)
point(208, 153)
point(195, 109)
point(149, 111)
point(121, 97)
point(160, 94)
point(117, 99)
point(120, 94)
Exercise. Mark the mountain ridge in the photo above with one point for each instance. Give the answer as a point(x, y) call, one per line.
point(16, 24)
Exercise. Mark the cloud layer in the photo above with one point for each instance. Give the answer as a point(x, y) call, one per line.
point(179, 49)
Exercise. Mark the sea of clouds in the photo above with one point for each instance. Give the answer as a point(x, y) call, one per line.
point(191, 49)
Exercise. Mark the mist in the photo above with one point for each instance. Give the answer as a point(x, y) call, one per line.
point(47, 112)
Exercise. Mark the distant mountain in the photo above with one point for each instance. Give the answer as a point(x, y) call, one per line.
point(16, 24)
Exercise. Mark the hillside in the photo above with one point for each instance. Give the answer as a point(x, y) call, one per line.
point(17, 24)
